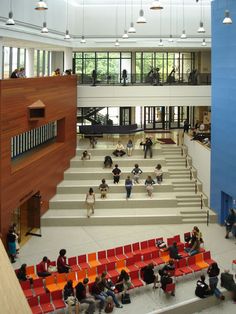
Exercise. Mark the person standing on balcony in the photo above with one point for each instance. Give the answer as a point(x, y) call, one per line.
point(124, 76)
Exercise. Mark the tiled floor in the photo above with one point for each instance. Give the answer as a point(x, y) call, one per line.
point(79, 240)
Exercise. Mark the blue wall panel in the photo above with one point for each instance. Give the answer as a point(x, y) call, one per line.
point(223, 152)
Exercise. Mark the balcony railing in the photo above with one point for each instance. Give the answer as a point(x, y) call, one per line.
point(145, 79)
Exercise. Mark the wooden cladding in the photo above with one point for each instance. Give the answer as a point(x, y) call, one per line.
point(39, 171)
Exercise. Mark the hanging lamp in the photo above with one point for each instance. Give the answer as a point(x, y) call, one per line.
point(132, 29)
point(41, 5)
point(83, 40)
point(141, 19)
point(67, 34)
point(156, 5)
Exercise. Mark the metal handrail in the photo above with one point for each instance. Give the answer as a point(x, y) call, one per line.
point(190, 173)
point(208, 217)
point(196, 187)
point(201, 201)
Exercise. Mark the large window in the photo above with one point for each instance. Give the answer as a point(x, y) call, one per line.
point(108, 65)
point(178, 63)
point(13, 58)
point(42, 63)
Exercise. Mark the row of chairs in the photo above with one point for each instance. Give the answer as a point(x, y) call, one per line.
point(47, 303)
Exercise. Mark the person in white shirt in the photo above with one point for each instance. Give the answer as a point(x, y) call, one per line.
point(90, 202)
point(201, 127)
point(158, 173)
point(120, 150)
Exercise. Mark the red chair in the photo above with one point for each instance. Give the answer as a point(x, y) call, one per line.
point(119, 253)
point(170, 241)
point(192, 264)
point(138, 261)
point(111, 269)
point(57, 300)
point(111, 255)
point(182, 251)
point(38, 287)
point(45, 303)
point(152, 245)
point(72, 276)
point(184, 268)
point(31, 272)
point(128, 250)
point(82, 261)
point(72, 261)
point(177, 272)
point(136, 248)
point(101, 269)
point(157, 259)
point(147, 259)
point(102, 257)
point(207, 258)
point(159, 239)
point(177, 240)
point(134, 277)
point(144, 247)
point(26, 287)
point(130, 264)
point(187, 235)
point(34, 305)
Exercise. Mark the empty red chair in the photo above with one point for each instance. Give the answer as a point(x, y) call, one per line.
point(82, 261)
point(102, 257)
point(138, 261)
point(134, 277)
point(101, 269)
point(152, 245)
point(170, 241)
point(147, 258)
point(144, 247)
point(181, 250)
point(130, 264)
point(128, 250)
point(157, 259)
point(136, 248)
point(26, 287)
point(184, 268)
point(57, 300)
point(34, 305)
point(111, 269)
point(81, 274)
point(192, 264)
point(92, 274)
point(119, 253)
point(177, 240)
point(187, 235)
point(111, 256)
point(72, 261)
point(45, 303)
point(177, 272)
point(38, 287)
point(207, 258)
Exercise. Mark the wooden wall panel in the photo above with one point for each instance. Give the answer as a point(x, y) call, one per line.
point(42, 170)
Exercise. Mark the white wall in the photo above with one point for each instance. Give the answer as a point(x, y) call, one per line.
point(201, 158)
point(101, 96)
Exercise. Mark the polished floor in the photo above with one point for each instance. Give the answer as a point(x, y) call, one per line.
point(79, 240)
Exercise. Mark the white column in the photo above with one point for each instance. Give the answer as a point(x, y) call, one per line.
point(68, 58)
point(1, 57)
point(29, 67)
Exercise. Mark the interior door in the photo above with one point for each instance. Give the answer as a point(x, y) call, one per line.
point(125, 115)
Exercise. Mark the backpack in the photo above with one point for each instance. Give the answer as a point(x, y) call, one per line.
point(110, 305)
point(125, 299)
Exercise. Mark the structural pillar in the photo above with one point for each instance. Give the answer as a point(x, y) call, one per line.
point(68, 58)
point(29, 68)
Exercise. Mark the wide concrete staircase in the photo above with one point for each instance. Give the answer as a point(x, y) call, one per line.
point(174, 201)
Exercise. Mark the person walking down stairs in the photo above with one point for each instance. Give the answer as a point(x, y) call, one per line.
point(128, 187)
point(149, 185)
point(90, 202)
point(136, 172)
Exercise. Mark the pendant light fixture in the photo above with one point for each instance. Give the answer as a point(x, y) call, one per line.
point(10, 20)
point(141, 19)
point(44, 29)
point(183, 35)
point(67, 35)
point(156, 5)
point(160, 41)
point(204, 42)
point(170, 17)
point(125, 35)
point(227, 19)
point(41, 5)
point(83, 40)
point(201, 28)
point(132, 29)
point(117, 44)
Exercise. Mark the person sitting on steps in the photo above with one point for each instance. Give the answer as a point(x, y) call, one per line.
point(85, 155)
point(158, 173)
point(116, 174)
point(120, 150)
point(108, 162)
point(149, 185)
point(136, 172)
point(103, 187)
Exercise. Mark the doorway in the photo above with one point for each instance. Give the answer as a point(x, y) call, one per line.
point(125, 115)
point(154, 118)
point(226, 204)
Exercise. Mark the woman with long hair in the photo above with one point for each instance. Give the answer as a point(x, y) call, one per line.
point(90, 202)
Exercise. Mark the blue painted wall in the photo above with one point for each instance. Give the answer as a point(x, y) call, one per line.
point(223, 152)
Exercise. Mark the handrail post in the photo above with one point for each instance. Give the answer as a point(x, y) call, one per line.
point(182, 151)
point(201, 202)
point(190, 172)
point(196, 190)
point(178, 139)
point(208, 216)
point(186, 161)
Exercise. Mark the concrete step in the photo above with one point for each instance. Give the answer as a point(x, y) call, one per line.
point(183, 189)
point(188, 204)
point(109, 151)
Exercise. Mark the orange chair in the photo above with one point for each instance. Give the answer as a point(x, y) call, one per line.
point(72, 276)
point(200, 261)
point(31, 272)
point(92, 260)
point(81, 274)
point(165, 256)
point(61, 281)
point(50, 284)
point(92, 273)
point(121, 265)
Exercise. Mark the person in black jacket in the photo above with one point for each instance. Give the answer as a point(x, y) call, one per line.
point(116, 174)
point(15, 74)
point(69, 297)
point(148, 147)
point(21, 274)
point(227, 282)
point(202, 289)
point(149, 276)
point(213, 272)
point(81, 295)
point(229, 222)
point(165, 280)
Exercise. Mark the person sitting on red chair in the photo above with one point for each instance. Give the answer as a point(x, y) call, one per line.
point(42, 268)
point(165, 280)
